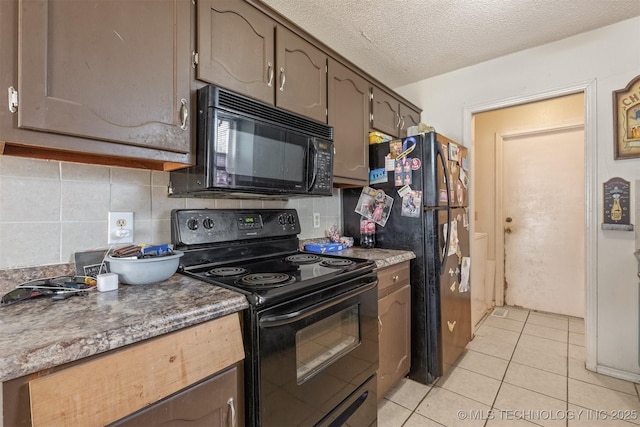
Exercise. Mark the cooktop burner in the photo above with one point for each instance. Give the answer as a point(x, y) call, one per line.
point(337, 263)
point(303, 259)
point(267, 279)
point(257, 252)
point(226, 271)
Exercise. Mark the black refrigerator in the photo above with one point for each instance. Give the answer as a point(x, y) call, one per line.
point(426, 175)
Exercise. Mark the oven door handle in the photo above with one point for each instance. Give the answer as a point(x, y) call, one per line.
point(284, 319)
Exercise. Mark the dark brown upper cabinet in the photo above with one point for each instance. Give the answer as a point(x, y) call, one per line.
point(410, 117)
point(244, 50)
point(114, 71)
point(235, 44)
point(389, 115)
point(385, 114)
point(349, 115)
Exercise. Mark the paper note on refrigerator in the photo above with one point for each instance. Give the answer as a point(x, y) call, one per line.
point(464, 274)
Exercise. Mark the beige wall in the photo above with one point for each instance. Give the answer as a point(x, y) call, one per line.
point(555, 112)
point(50, 209)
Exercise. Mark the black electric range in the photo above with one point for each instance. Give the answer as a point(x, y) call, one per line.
point(311, 330)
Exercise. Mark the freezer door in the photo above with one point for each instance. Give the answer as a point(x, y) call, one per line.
point(455, 295)
point(457, 172)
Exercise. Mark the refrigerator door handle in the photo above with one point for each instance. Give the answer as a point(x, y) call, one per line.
point(446, 182)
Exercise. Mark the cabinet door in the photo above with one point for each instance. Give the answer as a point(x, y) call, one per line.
point(301, 83)
point(108, 70)
point(236, 48)
point(348, 106)
point(409, 118)
point(394, 312)
point(385, 110)
point(212, 403)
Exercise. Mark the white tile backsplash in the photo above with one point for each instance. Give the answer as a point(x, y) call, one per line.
point(24, 199)
point(30, 168)
point(50, 209)
point(81, 172)
point(84, 201)
point(29, 244)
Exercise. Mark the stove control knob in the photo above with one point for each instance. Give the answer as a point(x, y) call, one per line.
point(207, 223)
point(282, 220)
point(192, 224)
point(291, 219)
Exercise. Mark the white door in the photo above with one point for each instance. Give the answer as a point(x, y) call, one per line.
point(543, 207)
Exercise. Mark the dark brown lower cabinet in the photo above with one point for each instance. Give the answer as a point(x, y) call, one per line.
point(213, 402)
point(394, 325)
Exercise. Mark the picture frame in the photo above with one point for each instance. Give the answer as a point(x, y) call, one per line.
point(626, 121)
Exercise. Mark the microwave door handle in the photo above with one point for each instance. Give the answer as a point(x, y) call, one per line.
point(314, 165)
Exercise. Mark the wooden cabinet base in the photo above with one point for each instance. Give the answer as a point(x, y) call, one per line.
point(106, 388)
point(394, 325)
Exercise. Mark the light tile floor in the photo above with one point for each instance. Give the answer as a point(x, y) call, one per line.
point(524, 369)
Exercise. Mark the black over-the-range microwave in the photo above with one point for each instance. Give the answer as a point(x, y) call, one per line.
point(246, 148)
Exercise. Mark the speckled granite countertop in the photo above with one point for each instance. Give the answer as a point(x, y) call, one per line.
point(42, 333)
point(382, 257)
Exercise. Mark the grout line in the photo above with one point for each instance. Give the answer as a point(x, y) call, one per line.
point(507, 368)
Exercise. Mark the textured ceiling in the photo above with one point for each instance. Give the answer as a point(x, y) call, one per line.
point(404, 41)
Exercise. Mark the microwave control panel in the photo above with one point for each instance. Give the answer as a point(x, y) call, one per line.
point(324, 162)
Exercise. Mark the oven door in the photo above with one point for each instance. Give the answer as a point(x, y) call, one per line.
point(248, 154)
point(315, 354)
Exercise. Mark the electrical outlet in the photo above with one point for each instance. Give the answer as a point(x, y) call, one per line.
point(316, 220)
point(120, 227)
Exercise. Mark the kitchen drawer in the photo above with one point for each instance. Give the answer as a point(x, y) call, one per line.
point(108, 388)
point(390, 278)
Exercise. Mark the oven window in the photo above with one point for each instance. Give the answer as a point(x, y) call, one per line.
point(323, 342)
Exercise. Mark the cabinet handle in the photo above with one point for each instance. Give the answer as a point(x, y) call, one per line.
point(395, 278)
point(402, 123)
point(379, 324)
point(283, 78)
point(269, 74)
point(398, 124)
point(184, 114)
point(232, 406)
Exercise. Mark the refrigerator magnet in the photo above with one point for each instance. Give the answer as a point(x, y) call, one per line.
point(464, 178)
point(403, 191)
point(443, 195)
point(395, 148)
point(454, 152)
point(389, 163)
point(415, 164)
point(464, 274)
point(465, 163)
point(453, 287)
point(378, 176)
point(453, 239)
point(408, 145)
point(410, 203)
point(459, 192)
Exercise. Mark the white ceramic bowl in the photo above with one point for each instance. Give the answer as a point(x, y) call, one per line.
point(145, 270)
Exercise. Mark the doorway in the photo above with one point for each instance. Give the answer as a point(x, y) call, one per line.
point(542, 186)
point(588, 91)
point(515, 148)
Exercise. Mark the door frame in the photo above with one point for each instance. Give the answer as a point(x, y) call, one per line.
point(499, 200)
point(591, 196)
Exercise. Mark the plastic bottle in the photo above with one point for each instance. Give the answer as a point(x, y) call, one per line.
point(367, 233)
